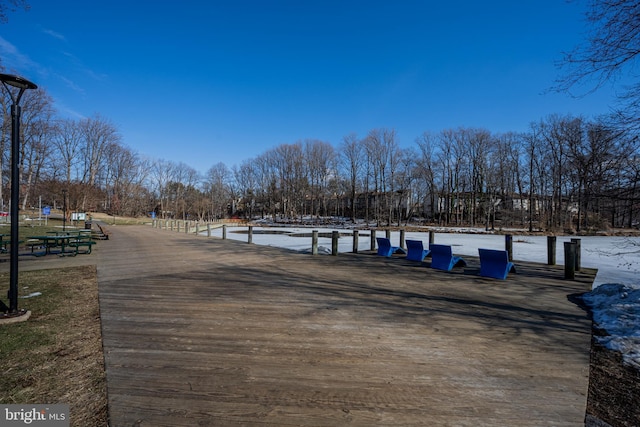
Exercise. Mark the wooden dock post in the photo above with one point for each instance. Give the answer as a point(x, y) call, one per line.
point(551, 250)
point(224, 231)
point(373, 239)
point(578, 253)
point(569, 260)
point(508, 246)
point(432, 237)
point(314, 242)
point(334, 242)
point(208, 229)
point(402, 245)
point(250, 234)
point(355, 241)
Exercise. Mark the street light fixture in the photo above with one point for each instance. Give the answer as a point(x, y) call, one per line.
point(22, 85)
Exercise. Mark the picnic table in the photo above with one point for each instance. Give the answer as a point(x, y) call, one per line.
point(48, 242)
point(73, 240)
point(4, 243)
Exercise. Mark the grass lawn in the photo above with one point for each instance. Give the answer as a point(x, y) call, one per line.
point(56, 356)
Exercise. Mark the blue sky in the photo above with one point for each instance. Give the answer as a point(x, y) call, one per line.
point(203, 82)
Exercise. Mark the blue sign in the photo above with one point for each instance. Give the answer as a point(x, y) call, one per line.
point(46, 211)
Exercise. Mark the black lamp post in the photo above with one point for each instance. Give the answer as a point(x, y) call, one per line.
point(64, 210)
point(22, 84)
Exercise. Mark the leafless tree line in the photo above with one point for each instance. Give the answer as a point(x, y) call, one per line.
point(565, 172)
point(84, 157)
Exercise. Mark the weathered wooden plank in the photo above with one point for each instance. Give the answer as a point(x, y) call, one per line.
point(210, 332)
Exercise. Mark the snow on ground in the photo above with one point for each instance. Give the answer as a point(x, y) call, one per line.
point(614, 300)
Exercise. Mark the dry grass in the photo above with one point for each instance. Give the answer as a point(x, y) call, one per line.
point(56, 356)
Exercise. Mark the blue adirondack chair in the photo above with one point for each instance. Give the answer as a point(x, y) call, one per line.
point(416, 250)
point(495, 263)
point(442, 258)
point(385, 248)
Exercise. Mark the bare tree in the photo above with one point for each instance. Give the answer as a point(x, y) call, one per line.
point(36, 131)
point(67, 141)
point(246, 179)
point(98, 133)
point(351, 156)
point(125, 174)
point(320, 158)
point(426, 171)
point(609, 53)
point(216, 186)
point(10, 6)
point(161, 174)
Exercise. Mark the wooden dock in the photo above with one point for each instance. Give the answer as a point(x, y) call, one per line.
point(205, 332)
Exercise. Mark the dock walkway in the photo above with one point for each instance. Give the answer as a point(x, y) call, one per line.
point(200, 331)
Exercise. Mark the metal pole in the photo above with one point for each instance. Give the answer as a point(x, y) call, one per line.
point(22, 85)
point(64, 210)
point(15, 200)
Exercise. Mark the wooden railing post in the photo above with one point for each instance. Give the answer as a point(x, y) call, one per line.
point(402, 238)
point(432, 237)
point(334, 242)
point(551, 250)
point(508, 245)
point(373, 239)
point(250, 234)
point(578, 253)
point(355, 241)
point(314, 242)
point(569, 260)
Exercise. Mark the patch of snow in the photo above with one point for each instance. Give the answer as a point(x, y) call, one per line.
point(32, 294)
point(616, 310)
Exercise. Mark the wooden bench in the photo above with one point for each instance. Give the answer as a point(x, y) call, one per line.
point(416, 250)
point(101, 233)
point(442, 258)
point(495, 263)
point(385, 248)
